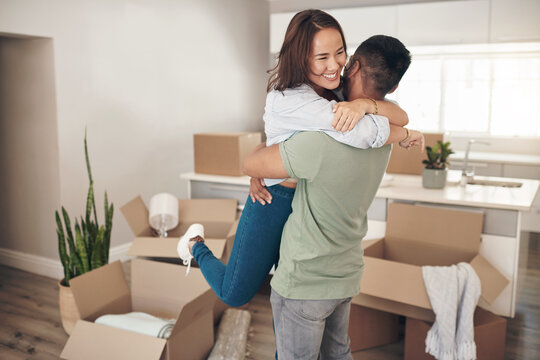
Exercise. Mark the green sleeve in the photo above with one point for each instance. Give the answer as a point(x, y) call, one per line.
point(301, 154)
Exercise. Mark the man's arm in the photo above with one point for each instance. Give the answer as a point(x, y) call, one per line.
point(265, 163)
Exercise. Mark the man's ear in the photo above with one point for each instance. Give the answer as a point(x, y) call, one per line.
point(393, 89)
point(352, 67)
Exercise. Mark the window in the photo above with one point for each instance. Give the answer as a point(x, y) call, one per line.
point(474, 90)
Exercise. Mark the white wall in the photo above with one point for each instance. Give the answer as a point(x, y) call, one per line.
point(143, 76)
point(29, 180)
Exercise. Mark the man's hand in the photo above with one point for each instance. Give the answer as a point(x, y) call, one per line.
point(348, 113)
point(416, 138)
point(258, 191)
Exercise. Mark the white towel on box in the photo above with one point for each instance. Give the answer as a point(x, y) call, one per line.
point(139, 322)
point(453, 293)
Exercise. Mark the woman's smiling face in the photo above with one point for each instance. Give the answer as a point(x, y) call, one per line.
point(327, 59)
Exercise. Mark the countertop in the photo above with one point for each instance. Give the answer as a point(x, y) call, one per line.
point(409, 187)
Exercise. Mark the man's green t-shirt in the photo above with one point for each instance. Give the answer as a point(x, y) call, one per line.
point(321, 255)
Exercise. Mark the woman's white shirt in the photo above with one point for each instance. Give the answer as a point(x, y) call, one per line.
point(302, 109)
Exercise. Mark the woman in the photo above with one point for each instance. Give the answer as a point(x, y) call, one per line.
point(309, 67)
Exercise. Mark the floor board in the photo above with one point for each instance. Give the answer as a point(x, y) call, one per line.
point(30, 325)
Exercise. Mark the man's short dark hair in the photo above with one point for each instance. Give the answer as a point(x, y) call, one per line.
point(384, 60)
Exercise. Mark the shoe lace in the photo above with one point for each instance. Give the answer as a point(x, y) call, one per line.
point(188, 263)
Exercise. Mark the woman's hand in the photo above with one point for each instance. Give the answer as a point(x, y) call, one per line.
point(258, 191)
point(416, 138)
point(348, 113)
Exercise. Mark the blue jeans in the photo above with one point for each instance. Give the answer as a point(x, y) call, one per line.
point(311, 329)
point(255, 249)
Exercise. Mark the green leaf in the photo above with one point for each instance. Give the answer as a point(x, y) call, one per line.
point(67, 222)
point(89, 202)
point(64, 258)
point(97, 254)
point(81, 247)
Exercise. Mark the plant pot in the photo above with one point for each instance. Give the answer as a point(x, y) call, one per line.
point(434, 178)
point(69, 313)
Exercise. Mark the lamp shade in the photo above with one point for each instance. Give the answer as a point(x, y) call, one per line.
point(163, 213)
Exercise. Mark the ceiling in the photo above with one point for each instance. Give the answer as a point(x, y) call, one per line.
point(279, 6)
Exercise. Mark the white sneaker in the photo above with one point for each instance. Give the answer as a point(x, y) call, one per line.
point(183, 245)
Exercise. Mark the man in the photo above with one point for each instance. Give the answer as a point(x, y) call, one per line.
point(321, 258)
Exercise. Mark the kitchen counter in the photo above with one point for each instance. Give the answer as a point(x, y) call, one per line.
point(409, 187)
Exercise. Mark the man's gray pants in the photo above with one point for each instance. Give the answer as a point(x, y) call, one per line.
point(311, 329)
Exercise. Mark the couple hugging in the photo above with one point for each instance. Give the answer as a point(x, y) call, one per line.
point(312, 184)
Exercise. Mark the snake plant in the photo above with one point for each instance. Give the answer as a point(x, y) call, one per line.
point(89, 243)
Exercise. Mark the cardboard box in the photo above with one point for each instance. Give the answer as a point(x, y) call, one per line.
point(223, 153)
point(403, 161)
point(489, 336)
point(369, 328)
point(416, 236)
point(159, 289)
point(217, 215)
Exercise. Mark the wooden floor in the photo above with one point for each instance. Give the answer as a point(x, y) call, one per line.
point(30, 323)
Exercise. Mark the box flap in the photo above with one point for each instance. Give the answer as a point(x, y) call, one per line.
point(195, 309)
point(393, 307)
point(394, 281)
point(207, 210)
point(373, 248)
point(434, 225)
point(90, 341)
point(493, 282)
point(101, 291)
point(423, 253)
point(162, 288)
point(194, 342)
point(166, 247)
point(136, 214)
point(232, 230)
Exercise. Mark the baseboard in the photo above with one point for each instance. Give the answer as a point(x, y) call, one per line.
point(50, 267)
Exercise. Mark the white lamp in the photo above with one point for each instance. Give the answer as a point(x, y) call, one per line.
point(163, 213)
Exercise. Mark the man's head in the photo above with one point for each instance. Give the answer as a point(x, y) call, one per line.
point(376, 67)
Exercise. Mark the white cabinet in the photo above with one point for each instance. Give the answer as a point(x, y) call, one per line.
point(516, 20)
point(522, 171)
point(448, 22)
point(358, 24)
point(530, 219)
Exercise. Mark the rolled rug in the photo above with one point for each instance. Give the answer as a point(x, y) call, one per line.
point(139, 322)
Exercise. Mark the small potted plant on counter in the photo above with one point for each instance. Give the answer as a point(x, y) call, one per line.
point(435, 172)
point(88, 247)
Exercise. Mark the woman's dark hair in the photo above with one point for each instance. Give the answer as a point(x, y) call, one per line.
point(292, 68)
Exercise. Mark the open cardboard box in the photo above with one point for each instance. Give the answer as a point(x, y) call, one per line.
point(370, 328)
point(416, 236)
point(489, 336)
point(159, 289)
point(217, 215)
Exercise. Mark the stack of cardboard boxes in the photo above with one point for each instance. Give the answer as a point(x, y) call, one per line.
point(158, 287)
point(392, 284)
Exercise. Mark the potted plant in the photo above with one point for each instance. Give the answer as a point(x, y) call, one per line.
point(88, 247)
point(435, 172)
